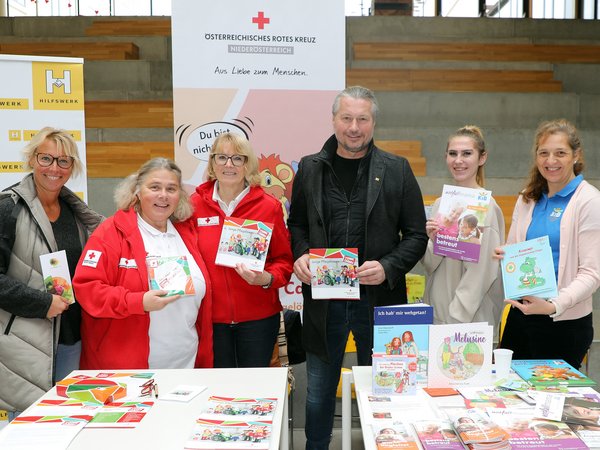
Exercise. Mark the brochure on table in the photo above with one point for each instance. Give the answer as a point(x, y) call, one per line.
point(461, 218)
point(404, 330)
point(437, 435)
point(394, 374)
point(57, 278)
point(460, 355)
point(244, 241)
point(171, 274)
point(333, 273)
point(550, 372)
point(528, 269)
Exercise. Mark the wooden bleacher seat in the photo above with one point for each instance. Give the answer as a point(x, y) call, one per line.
point(450, 80)
point(133, 27)
point(119, 159)
point(129, 114)
point(471, 51)
point(411, 150)
point(88, 50)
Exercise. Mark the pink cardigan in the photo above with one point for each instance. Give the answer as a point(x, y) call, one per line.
point(579, 260)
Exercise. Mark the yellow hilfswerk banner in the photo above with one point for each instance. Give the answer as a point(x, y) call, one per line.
point(40, 92)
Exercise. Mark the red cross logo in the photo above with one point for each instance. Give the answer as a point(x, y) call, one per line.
point(92, 255)
point(207, 220)
point(261, 20)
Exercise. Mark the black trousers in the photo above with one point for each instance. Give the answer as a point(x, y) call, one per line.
point(540, 337)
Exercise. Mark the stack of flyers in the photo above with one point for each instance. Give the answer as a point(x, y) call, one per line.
point(475, 429)
point(393, 435)
point(437, 434)
point(528, 269)
point(228, 434)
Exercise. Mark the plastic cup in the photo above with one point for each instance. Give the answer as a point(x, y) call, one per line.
point(502, 360)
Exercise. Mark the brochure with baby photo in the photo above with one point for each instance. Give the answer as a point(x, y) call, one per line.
point(57, 278)
point(461, 217)
point(528, 269)
point(333, 273)
point(244, 241)
point(171, 274)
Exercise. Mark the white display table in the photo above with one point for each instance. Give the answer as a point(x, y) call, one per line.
point(169, 424)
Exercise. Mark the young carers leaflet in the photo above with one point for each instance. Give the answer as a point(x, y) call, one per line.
point(528, 269)
point(244, 241)
point(333, 273)
point(461, 216)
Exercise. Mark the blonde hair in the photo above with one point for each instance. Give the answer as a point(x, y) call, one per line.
point(537, 184)
point(474, 133)
point(64, 142)
point(241, 146)
point(126, 192)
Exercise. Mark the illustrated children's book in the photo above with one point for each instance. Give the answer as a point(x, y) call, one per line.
point(531, 433)
point(230, 434)
point(171, 274)
point(393, 435)
point(226, 408)
point(528, 269)
point(437, 435)
point(244, 241)
point(461, 217)
point(57, 278)
point(404, 330)
point(333, 273)
point(460, 355)
point(394, 374)
point(550, 372)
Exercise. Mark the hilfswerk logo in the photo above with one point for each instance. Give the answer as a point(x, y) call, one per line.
point(52, 82)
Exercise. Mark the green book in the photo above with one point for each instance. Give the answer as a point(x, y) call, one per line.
point(550, 372)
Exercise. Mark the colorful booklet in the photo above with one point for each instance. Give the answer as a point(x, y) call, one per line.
point(244, 241)
point(531, 433)
point(461, 217)
point(393, 435)
point(490, 397)
point(474, 426)
point(333, 273)
point(394, 374)
point(550, 372)
point(528, 269)
point(230, 434)
point(57, 278)
point(226, 408)
point(437, 435)
point(404, 330)
point(460, 355)
point(171, 274)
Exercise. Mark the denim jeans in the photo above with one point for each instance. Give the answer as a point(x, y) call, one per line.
point(245, 344)
point(67, 360)
point(323, 377)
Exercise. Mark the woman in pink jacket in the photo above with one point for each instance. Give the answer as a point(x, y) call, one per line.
point(127, 324)
point(246, 303)
point(557, 202)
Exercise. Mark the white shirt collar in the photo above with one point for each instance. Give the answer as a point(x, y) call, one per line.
point(153, 231)
point(228, 209)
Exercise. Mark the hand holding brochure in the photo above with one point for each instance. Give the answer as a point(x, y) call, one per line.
point(171, 274)
point(461, 216)
point(333, 273)
point(528, 269)
point(244, 241)
point(57, 278)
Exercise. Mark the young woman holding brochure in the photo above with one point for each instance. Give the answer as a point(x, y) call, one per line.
point(557, 202)
point(463, 292)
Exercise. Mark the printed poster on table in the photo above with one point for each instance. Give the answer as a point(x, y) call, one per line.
point(263, 69)
point(333, 273)
point(460, 355)
point(528, 269)
point(461, 218)
point(43, 91)
point(244, 241)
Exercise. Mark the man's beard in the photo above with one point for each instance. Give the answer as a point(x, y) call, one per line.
point(355, 149)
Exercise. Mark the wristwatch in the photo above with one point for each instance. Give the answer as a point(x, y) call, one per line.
point(268, 285)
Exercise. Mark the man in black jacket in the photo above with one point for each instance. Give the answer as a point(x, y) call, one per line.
point(351, 194)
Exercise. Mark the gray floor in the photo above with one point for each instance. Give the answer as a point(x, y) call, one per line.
point(336, 444)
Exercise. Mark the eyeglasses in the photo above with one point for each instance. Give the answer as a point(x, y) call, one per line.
point(237, 160)
point(46, 160)
point(148, 388)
